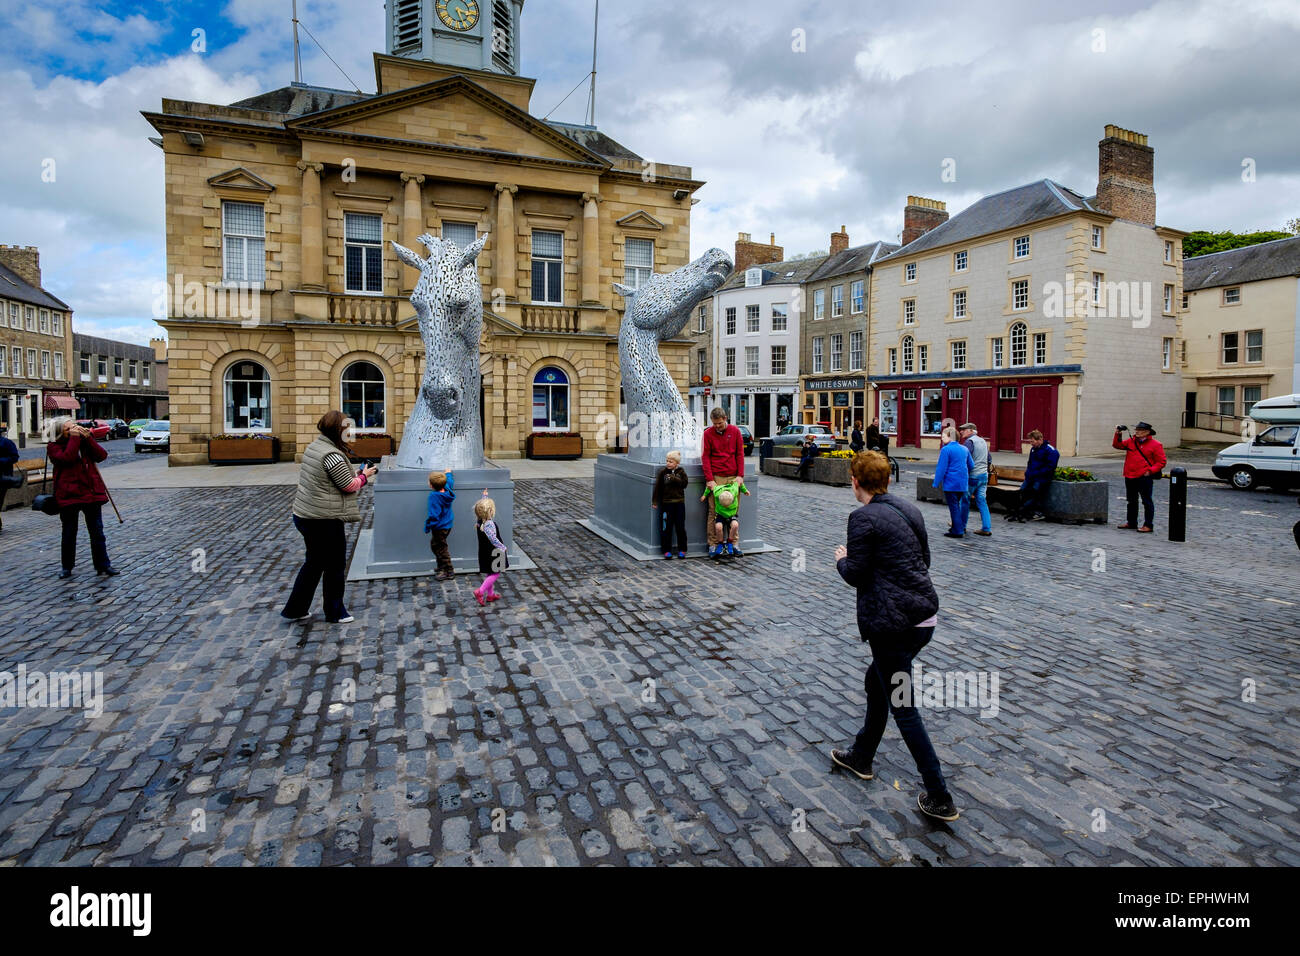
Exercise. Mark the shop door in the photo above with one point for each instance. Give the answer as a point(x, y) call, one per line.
point(1040, 410)
point(981, 407)
point(1189, 417)
point(762, 416)
point(1008, 419)
point(909, 419)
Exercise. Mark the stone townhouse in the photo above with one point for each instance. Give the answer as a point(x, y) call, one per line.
point(833, 335)
point(1038, 307)
point(35, 347)
point(703, 374)
point(121, 379)
point(1241, 334)
point(288, 300)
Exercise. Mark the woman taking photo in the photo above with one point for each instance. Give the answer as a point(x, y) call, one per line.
point(326, 498)
point(79, 489)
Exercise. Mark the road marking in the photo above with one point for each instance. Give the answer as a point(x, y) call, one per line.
point(1280, 601)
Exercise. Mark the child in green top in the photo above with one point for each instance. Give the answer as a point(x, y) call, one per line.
point(726, 504)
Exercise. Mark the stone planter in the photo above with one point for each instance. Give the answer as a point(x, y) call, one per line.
point(1074, 502)
point(373, 447)
point(544, 447)
point(831, 471)
point(243, 451)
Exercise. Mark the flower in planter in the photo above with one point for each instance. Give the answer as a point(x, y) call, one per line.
point(242, 437)
point(1074, 474)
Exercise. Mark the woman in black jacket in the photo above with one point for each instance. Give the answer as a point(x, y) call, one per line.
point(888, 561)
point(856, 444)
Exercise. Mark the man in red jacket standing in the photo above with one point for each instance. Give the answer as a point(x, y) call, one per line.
point(78, 488)
point(723, 456)
point(1142, 465)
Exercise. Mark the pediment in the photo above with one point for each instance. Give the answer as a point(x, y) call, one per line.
point(640, 220)
point(241, 178)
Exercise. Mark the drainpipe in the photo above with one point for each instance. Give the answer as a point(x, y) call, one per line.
point(1078, 419)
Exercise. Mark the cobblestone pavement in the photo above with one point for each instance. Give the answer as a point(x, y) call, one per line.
point(436, 731)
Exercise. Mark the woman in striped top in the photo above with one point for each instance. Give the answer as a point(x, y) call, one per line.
point(325, 500)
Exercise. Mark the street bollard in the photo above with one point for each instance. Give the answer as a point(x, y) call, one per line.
point(1178, 504)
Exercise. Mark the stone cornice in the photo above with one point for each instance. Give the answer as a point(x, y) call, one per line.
point(444, 149)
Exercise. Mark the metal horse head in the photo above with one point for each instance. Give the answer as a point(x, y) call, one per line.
point(444, 430)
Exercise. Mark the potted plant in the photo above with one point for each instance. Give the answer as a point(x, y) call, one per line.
point(243, 449)
point(371, 447)
point(554, 445)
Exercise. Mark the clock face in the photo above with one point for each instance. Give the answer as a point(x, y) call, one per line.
point(460, 15)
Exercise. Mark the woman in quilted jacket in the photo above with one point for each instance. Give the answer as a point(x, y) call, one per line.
point(79, 490)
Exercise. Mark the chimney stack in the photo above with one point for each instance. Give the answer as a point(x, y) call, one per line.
point(1126, 176)
point(839, 241)
point(749, 252)
point(159, 347)
point(25, 261)
point(920, 215)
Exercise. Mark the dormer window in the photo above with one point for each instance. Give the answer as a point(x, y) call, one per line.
point(753, 277)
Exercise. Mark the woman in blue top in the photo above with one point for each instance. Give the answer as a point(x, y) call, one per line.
point(952, 477)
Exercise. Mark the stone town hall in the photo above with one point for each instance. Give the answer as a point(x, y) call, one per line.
point(284, 205)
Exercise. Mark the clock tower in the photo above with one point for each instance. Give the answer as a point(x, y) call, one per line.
point(476, 34)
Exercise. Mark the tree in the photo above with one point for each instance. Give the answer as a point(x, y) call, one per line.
point(1293, 226)
point(1202, 243)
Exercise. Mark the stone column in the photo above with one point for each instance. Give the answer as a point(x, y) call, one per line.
point(313, 233)
point(504, 271)
point(412, 227)
point(590, 249)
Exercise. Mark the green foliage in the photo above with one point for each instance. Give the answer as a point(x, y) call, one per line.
point(1074, 474)
point(1202, 243)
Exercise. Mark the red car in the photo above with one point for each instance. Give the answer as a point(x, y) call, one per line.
point(99, 428)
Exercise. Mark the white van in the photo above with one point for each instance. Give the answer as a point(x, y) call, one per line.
point(1271, 459)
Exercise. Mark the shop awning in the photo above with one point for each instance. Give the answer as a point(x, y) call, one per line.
point(64, 403)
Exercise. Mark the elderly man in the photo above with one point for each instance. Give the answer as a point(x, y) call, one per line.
point(1143, 462)
point(979, 477)
point(722, 454)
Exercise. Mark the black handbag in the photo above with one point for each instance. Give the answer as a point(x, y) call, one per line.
point(45, 503)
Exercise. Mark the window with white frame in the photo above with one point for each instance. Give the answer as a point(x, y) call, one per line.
point(85, 367)
point(778, 359)
point(4, 361)
point(1098, 237)
point(753, 319)
point(856, 355)
point(15, 319)
point(959, 304)
point(753, 277)
point(551, 400)
point(1186, 300)
point(729, 362)
point(117, 371)
point(16, 362)
point(837, 352)
point(701, 365)
point(44, 325)
point(243, 242)
point(909, 355)
point(819, 304)
point(959, 261)
point(363, 250)
point(931, 410)
point(959, 355)
point(1250, 394)
point(1040, 348)
point(1020, 294)
point(1021, 247)
point(923, 358)
point(701, 318)
point(909, 311)
point(1169, 251)
point(31, 363)
point(460, 234)
point(837, 301)
point(132, 367)
point(58, 365)
point(954, 394)
point(893, 361)
point(909, 272)
point(362, 388)
point(1230, 348)
point(780, 316)
point(1232, 296)
point(638, 261)
point(817, 359)
point(1169, 298)
point(56, 323)
point(751, 359)
point(858, 296)
point(31, 318)
point(730, 324)
point(1008, 391)
point(1166, 353)
point(101, 368)
point(1255, 345)
point(1019, 344)
point(997, 353)
point(1227, 399)
point(548, 267)
point(1098, 280)
point(45, 364)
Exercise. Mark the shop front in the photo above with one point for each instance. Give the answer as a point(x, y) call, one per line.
point(763, 409)
point(837, 402)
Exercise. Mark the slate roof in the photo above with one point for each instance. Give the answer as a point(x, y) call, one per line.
point(1277, 259)
point(1005, 210)
point(299, 99)
point(855, 259)
point(12, 287)
point(790, 272)
point(593, 139)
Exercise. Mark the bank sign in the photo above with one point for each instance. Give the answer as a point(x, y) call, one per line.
point(825, 384)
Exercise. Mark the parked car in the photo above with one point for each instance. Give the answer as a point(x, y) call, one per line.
point(154, 436)
point(793, 435)
point(1273, 459)
point(99, 429)
point(118, 428)
point(136, 425)
point(748, 437)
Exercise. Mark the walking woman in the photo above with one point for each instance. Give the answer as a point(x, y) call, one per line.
point(888, 561)
point(79, 490)
point(326, 498)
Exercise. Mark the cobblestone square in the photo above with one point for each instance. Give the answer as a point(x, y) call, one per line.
point(609, 711)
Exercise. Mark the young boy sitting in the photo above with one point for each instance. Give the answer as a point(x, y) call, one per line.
point(438, 524)
point(726, 505)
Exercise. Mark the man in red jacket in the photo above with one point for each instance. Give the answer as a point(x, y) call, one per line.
point(723, 456)
point(1142, 464)
point(78, 488)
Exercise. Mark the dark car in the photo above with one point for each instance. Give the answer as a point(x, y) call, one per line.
point(748, 438)
point(118, 428)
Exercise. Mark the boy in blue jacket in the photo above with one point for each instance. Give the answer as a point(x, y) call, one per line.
point(952, 477)
point(438, 524)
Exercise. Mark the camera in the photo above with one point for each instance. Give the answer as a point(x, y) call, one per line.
point(1121, 428)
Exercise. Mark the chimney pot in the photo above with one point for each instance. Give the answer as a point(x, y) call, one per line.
point(920, 216)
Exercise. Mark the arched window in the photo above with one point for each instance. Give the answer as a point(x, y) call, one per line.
point(908, 365)
point(550, 400)
point(363, 396)
point(247, 389)
point(1019, 344)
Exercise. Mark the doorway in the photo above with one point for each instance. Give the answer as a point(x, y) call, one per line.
point(762, 416)
point(1008, 418)
point(1189, 416)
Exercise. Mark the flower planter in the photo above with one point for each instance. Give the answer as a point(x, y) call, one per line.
point(371, 447)
point(1075, 502)
point(542, 446)
point(243, 451)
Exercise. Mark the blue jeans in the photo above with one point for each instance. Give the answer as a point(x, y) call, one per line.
point(956, 500)
point(893, 654)
point(1033, 496)
point(979, 490)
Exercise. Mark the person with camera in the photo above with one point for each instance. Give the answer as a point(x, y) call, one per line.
point(1144, 460)
point(79, 490)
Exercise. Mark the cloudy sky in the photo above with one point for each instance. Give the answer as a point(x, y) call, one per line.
point(802, 115)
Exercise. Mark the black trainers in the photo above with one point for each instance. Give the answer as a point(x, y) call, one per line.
point(845, 759)
point(940, 811)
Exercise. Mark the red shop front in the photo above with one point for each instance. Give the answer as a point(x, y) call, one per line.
point(1004, 408)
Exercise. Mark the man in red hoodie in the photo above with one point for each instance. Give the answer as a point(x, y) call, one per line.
point(723, 456)
point(79, 489)
point(1142, 465)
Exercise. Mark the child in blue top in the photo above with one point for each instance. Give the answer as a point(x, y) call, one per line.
point(438, 524)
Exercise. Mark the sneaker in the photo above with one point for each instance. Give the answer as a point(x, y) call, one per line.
point(478, 596)
point(668, 555)
point(845, 759)
point(1146, 529)
point(300, 617)
point(680, 554)
point(731, 550)
point(65, 573)
point(493, 597)
point(109, 572)
point(345, 619)
point(940, 811)
point(716, 552)
point(736, 552)
point(952, 534)
point(445, 576)
point(984, 534)
point(1039, 517)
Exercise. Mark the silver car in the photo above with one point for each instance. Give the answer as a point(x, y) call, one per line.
point(793, 435)
point(155, 436)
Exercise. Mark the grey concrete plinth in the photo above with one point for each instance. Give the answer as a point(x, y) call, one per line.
point(623, 515)
point(397, 545)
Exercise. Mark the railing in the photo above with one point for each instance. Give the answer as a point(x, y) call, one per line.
point(364, 309)
point(1214, 422)
point(545, 318)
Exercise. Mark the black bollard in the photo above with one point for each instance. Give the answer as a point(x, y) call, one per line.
point(1178, 504)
